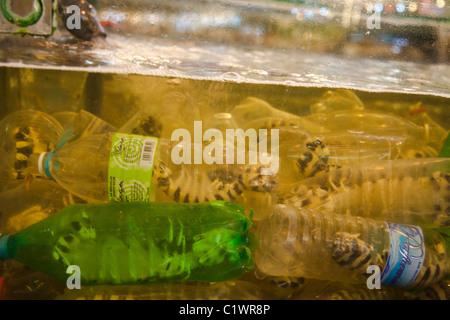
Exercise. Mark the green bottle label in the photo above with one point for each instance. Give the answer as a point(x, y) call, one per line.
point(130, 168)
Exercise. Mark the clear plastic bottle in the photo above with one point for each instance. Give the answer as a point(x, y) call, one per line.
point(412, 191)
point(423, 115)
point(195, 170)
point(335, 290)
point(27, 203)
point(23, 205)
point(296, 242)
point(362, 120)
point(226, 290)
point(438, 291)
point(274, 287)
point(161, 106)
point(23, 133)
point(24, 283)
point(257, 189)
point(300, 154)
point(119, 167)
point(372, 120)
point(258, 114)
point(102, 167)
point(335, 100)
point(348, 148)
point(83, 123)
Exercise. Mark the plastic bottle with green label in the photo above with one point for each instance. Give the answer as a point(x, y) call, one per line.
point(296, 242)
point(112, 167)
point(125, 243)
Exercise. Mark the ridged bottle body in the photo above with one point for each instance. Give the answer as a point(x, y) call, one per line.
point(23, 133)
point(412, 191)
point(83, 167)
point(83, 123)
point(297, 242)
point(336, 290)
point(225, 290)
point(137, 243)
point(25, 204)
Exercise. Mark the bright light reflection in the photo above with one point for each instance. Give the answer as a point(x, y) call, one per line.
point(396, 49)
point(309, 14)
point(378, 7)
point(400, 7)
point(412, 7)
point(323, 11)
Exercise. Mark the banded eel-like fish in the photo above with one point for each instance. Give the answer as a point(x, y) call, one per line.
point(130, 254)
point(438, 291)
point(221, 184)
point(403, 191)
point(26, 142)
point(229, 182)
point(123, 259)
point(352, 253)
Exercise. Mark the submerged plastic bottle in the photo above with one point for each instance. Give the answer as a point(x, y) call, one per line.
point(124, 243)
point(83, 123)
point(27, 203)
point(337, 100)
point(111, 167)
point(24, 283)
point(348, 148)
point(296, 242)
point(371, 120)
point(335, 290)
point(258, 114)
point(412, 191)
point(438, 291)
point(23, 133)
point(226, 290)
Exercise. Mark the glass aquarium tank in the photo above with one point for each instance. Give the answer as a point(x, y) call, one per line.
point(306, 88)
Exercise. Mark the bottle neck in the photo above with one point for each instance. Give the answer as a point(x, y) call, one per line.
point(39, 164)
point(4, 247)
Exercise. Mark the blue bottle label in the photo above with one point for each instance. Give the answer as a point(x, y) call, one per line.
point(406, 255)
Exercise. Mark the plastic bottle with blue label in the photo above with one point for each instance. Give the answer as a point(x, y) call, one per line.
point(297, 242)
point(111, 167)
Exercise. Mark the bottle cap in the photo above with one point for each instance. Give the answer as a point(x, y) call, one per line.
point(41, 164)
point(44, 164)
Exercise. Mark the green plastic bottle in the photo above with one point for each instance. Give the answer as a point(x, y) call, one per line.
point(120, 243)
